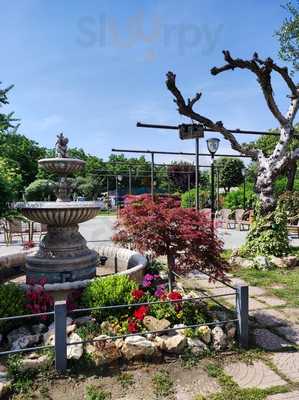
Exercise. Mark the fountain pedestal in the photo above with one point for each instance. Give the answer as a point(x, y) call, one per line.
point(63, 255)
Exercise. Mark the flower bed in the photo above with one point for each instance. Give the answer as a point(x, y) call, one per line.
point(156, 321)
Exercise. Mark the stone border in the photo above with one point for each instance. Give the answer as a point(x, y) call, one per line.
point(12, 264)
point(134, 262)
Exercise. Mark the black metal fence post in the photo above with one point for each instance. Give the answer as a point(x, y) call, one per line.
point(60, 312)
point(242, 314)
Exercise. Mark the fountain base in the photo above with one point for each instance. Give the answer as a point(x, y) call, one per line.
point(63, 256)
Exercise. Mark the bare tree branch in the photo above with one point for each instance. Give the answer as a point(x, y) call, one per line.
point(187, 110)
point(262, 69)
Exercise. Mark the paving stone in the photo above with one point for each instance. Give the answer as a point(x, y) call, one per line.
point(292, 314)
point(186, 384)
point(223, 290)
point(291, 333)
point(288, 364)
point(237, 282)
point(256, 291)
point(256, 375)
point(270, 318)
point(269, 341)
point(204, 283)
point(272, 301)
point(284, 396)
point(253, 304)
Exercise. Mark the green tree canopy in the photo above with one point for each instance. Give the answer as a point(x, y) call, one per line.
point(288, 35)
point(230, 172)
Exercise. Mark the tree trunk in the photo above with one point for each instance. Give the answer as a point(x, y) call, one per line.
point(291, 175)
point(265, 188)
point(170, 265)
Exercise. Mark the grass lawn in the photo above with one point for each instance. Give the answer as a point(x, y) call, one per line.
point(283, 283)
point(107, 213)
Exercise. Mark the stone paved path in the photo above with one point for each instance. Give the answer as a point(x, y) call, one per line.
point(275, 328)
point(285, 396)
point(288, 363)
point(257, 375)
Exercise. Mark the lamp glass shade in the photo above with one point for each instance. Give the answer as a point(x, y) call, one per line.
point(119, 178)
point(213, 145)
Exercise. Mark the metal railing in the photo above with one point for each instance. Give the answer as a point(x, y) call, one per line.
point(60, 323)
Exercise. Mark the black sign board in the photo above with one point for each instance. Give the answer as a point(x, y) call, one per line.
point(191, 131)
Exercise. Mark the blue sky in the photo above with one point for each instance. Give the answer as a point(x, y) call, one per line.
point(94, 68)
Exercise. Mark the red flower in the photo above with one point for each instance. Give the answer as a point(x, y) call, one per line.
point(132, 326)
point(141, 312)
point(137, 294)
point(174, 296)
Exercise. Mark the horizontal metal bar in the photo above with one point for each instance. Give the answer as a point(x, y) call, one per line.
point(28, 349)
point(149, 303)
point(152, 332)
point(178, 153)
point(237, 131)
point(26, 316)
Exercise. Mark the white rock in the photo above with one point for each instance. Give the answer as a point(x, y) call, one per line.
point(17, 333)
point(51, 327)
point(177, 328)
point(154, 324)
point(75, 351)
point(171, 344)
point(25, 341)
point(4, 387)
point(241, 262)
point(204, 333)
point(262, 263)
point(103, 352)
point(3, 373)
point(87, 319)
point(135, 347)
point(33, 363)
point(49, 336)
point(197, 346)
point(219, 338)
point(39, 328)
point(285, 262)
point(231, 330)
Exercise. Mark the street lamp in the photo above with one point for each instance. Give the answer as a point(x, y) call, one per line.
point(244, 187)
point(213, 145)
point(118, 178)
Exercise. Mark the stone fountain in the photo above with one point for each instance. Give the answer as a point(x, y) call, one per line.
point(63, 256)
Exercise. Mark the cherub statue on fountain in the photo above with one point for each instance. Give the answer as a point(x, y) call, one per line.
point(61, 146)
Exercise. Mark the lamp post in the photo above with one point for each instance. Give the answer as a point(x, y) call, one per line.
point(118, 178)
point(244, 187)
point(213, 145)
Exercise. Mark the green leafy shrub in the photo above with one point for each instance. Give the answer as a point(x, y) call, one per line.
point(290, 202)
point(268, 235)
point(40, 190)
point(235, 199)
point(188, 198)
point(109, 291)
point(12, 302)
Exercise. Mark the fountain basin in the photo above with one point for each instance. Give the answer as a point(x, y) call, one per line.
point(61, 214)
point(61, 166)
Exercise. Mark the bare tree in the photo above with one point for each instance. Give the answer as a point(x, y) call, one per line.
point(269, 167)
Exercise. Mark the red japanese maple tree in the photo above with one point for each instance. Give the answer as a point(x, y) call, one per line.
point(163, 228)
